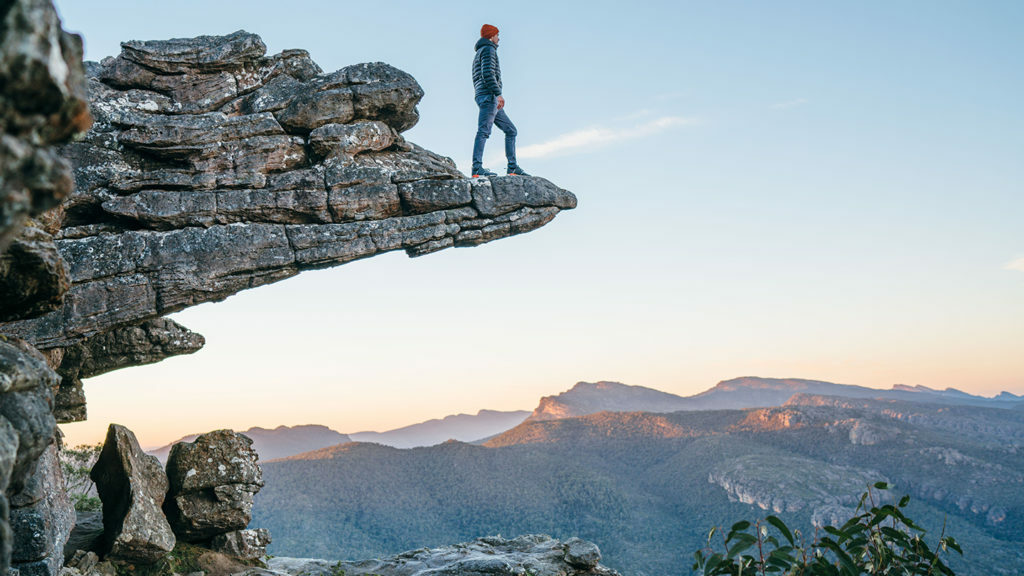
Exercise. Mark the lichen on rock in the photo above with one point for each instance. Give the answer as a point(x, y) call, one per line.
point(212, 484)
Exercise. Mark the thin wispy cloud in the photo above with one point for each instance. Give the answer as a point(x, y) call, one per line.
point(1017, 265)
point(582, 140)
point(790, 104)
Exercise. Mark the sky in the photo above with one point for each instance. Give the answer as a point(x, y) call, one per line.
point(783, 189)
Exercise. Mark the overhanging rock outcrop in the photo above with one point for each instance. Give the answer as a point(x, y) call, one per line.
point(212, 168)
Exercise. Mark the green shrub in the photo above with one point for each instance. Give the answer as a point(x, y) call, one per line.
point(880, 540)
point(76, 463)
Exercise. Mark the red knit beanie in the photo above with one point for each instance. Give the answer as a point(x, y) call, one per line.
point(488, 31)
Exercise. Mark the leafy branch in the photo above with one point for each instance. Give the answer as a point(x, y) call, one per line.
point(878, 539)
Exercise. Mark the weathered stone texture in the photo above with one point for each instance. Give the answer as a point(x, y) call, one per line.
point(26, 404)
point(42, 517)
point(132, 486)
point(33, 277)
point(212, 484)
point(245, 544)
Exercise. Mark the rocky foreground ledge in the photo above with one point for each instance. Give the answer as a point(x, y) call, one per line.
point(536, 555)
point(530, 555)
point(212, 168)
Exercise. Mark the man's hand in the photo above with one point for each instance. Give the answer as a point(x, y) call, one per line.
point(501, 102)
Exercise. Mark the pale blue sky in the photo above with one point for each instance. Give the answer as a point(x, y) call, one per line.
point(793, 189)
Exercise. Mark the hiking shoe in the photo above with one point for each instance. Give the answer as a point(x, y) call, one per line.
point(516, 171)
point(478, 172)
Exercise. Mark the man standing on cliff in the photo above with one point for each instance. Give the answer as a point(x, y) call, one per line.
point(487, 82)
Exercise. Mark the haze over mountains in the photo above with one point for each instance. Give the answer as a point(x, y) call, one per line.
point(463, 427)
point(276, 443)
point(286, 441)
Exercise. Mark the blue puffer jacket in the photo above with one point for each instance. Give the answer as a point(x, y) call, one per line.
point(486, 71)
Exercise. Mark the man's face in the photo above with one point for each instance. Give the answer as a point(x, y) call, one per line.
point(494, 39)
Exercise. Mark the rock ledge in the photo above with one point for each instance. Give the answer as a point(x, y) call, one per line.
point(536, 555)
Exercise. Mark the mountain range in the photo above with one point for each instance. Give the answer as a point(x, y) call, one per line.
point(747, 392)
point(647, 487)
point(645, 473)
point(589, 398)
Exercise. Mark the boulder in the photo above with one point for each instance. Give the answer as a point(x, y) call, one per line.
point(132, 486)
point(30, 532)
point(245, 544)
point(352, 139)
point(84, 563)
point(212, 484)
point(200, 54)
point(582, 554)
point(8, 452)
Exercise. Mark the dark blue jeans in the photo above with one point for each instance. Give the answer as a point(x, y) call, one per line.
point(489, 116)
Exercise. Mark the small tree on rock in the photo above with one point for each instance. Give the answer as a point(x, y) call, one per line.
point(76, 463)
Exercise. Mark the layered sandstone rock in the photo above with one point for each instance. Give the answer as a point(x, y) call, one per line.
point(133, 345)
